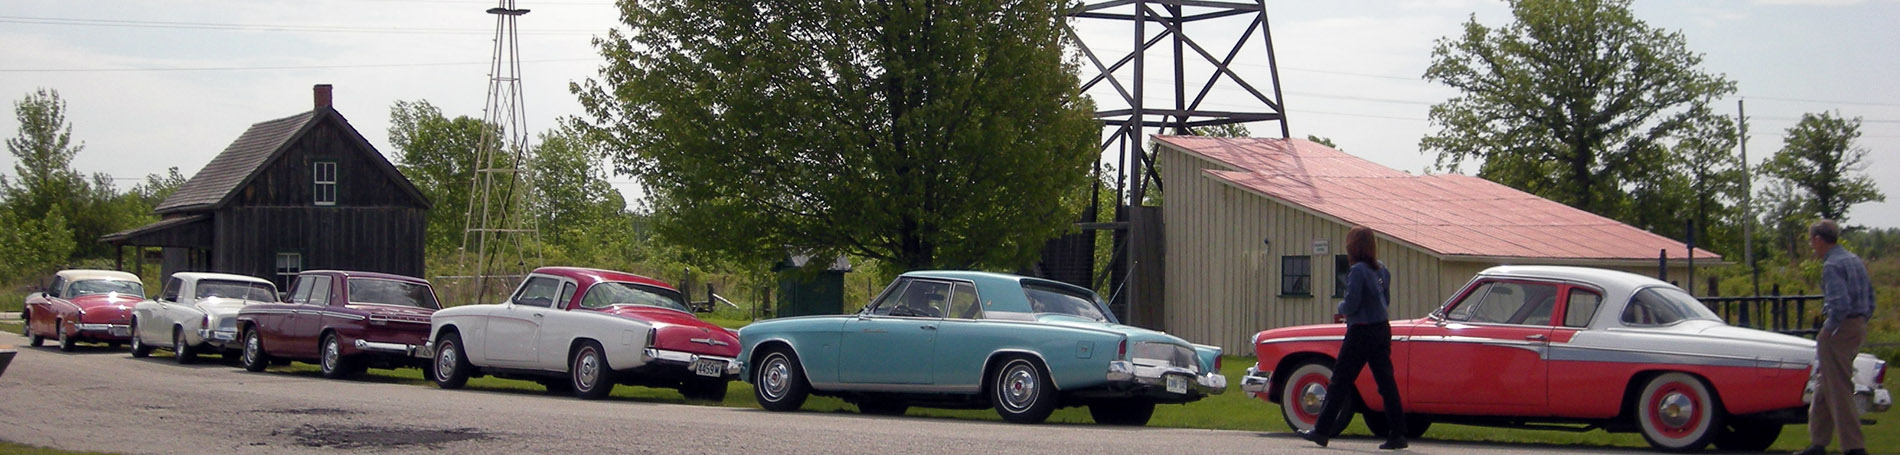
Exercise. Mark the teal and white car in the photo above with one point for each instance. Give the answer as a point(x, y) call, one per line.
point(956, 339)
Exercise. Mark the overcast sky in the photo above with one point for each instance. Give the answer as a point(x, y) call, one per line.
point(150, 85)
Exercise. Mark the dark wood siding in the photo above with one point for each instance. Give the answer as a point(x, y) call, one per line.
point(290, 180)
point(376, 239)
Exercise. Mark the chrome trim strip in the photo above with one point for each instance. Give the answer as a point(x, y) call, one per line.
point(1576, 353)
point(1302, 339)
point(907, 388)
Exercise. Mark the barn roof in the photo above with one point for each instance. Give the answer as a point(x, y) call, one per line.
point(1448, 215)
point(253, 151)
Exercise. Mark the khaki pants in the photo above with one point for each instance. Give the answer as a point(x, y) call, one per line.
point(1834, 401)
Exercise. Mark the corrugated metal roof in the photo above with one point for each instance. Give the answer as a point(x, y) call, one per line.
point(1453, 215)
point(235, 164)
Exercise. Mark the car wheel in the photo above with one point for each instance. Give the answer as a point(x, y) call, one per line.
point(1021, 391)
point(1304, 395)
point(181, 349)
point(1677, 412)
point(332, 362)
point(1132, 412)
point(451, 366)
point(1748, 435)
point(66, 342)
point(592, 378)
point(779, 383)
point(709, 389)
point(139, 348)
point(1415, 425)
point(26, 327)
point(874, 406)
point(253, 357)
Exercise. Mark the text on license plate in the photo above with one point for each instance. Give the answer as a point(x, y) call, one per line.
point(1177, 384)
point(710, 367)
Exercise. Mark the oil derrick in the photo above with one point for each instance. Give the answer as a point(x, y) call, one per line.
point(494, 252)
point(1202, 47)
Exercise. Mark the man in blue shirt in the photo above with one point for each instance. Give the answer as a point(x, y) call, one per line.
point(1849, 302)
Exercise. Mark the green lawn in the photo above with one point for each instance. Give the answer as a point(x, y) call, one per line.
point(8, 448)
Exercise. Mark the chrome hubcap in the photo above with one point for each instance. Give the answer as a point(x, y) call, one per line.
point(1313, 398)
point(251, 349)
point(1019, 387)
point(773, 379)
point(586, 370)
point(330, 355)
point(445, 362)
point(178, 344)
point(1676, 409)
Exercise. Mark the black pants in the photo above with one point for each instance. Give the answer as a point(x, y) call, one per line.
point(1365, 344)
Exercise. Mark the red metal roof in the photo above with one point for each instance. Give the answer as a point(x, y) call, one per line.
point(1453, 215)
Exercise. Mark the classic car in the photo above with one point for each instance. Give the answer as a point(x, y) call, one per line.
point(1569, 345)
point(584, 331)
point(196, 313)
point(344, 321)
point(957, 339)
point(83, 305)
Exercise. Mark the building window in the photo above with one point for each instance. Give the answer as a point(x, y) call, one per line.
point(288, 266)
point(325, 182)
point(1296, 275)
point(1341, 266)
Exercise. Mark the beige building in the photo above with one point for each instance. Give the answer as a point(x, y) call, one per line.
point(1255, 234)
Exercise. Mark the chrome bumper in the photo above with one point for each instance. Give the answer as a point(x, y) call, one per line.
point(116, 330)
point(1866, 399)
point(689, 360)
point(217, 336)
point(1256, 382)
point(406, 350)
point(1129, 372)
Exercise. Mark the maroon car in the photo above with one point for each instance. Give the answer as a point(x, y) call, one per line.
point(586, 330)
point(83, 305)
point(345, 322)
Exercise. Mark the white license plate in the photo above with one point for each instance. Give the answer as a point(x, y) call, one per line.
point(1177, 384)
point(710, 367)
point(121, 331)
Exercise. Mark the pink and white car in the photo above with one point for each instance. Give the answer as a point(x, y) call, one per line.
point(83, 305)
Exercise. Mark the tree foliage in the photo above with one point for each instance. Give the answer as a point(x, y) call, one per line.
point(1575, 101)
point(922, 134)
point(1820, 159)
point(437, 154)
point(43, 174)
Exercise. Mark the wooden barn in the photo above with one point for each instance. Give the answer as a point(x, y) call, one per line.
point(296, 193)
point(1255, 235)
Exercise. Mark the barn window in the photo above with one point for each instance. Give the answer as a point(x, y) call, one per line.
point(288, 265)
point(1296, 276)
point(325, 182)
point(1341, 266)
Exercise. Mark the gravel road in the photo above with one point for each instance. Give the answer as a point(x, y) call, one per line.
point(104, 400)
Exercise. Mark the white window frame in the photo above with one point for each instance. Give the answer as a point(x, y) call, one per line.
point(325, 185)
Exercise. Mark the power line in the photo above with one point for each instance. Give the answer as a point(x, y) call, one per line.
point(1802, 100)
point(256, 68)
point(267, 27)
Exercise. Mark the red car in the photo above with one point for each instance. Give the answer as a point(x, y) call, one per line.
point(586, 330)
point(83, 305)
point(345, 322)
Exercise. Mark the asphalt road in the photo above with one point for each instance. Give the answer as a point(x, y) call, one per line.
point(104, 400)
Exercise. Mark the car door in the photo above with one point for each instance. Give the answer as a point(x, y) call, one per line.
point(894, 342)
point(514, 327)
point(157, 326)
point(306, 320)
point(1486, 356)
point(964, 341)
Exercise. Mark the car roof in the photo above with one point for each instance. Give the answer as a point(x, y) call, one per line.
point(89, 274)
point(194, 276)
point(1614, 281)
point(584, 274)
point(357, 274)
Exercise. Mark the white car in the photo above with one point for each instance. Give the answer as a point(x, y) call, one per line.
point(196, 313)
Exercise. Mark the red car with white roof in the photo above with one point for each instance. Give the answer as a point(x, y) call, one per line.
point(1569, 345)
point(586, 330)
point(83, 305)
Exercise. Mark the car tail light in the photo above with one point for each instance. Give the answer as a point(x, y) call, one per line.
point(1121, 350)
point(1217, 362)
point(1881, 376)
point(206, 323)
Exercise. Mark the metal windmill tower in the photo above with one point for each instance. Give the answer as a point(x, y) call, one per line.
point(498, 227)
point(1203, 46)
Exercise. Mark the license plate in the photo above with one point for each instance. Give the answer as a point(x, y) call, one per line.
point(120, 331)
point(1177, 384)
point(710, 367)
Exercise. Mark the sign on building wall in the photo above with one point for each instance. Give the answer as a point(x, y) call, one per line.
point(1319, 247)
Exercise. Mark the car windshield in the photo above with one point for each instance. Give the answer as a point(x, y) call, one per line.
point(1664, 306)
point(392, 292)
point(90, 287)
point(609, 294)
point(243, 290)
point(1051, 299)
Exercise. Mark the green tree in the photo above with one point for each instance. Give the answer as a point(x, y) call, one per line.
point(572, 198)
point(922, 134)
point(1699, 179)
point(437, 154)
point(1326, 141)
point(1820, 158)
point(158, 187)
point(1571, 101)
point(34, 246)
point(43, 175)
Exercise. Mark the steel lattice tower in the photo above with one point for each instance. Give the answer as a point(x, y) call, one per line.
point(497, 224)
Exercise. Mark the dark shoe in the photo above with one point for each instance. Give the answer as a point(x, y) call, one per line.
point(1812, 450)
point(1394, 444)
point(1856, 452)
point(1311, 436)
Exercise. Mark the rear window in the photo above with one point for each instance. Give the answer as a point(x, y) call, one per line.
point(89, 287)
point(392, 292)
point(1664, 306)
point(609, 294)
point(244, 290)
point(1056, 300)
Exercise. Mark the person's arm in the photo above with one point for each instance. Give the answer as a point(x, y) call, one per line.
point(1358, 281)
point(1834, 293)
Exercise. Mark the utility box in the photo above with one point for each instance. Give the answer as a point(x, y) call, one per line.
point(805, 293)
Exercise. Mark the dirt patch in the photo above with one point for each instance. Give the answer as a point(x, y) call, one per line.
point(308, 411)
point(357, 437)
